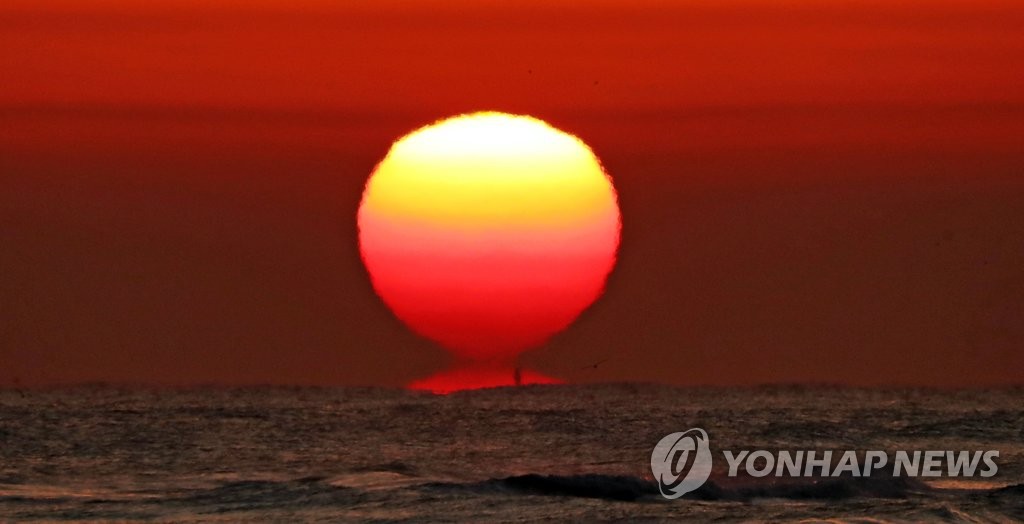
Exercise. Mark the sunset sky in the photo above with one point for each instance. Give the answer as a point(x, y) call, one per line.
point(810, 191)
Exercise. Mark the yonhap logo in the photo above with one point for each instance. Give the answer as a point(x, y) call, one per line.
point(681, 462)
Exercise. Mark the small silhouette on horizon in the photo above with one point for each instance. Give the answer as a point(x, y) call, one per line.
point(594, 365)
point(517, 376)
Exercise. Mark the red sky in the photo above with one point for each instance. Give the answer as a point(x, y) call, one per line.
point(811, 191)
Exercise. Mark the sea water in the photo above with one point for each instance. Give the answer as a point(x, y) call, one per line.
point(521, 453)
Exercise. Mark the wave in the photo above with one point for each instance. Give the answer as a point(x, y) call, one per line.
point(318, 491)
point(832, 489)
point(1011, 491)
point(395, 466)
point(608, 487)
point(627, 488)
point(592, 486)
point(257, 494)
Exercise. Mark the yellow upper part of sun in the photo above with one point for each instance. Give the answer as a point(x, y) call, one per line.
point(490, 170)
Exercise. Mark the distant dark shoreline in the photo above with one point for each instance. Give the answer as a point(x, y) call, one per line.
point(142, 386)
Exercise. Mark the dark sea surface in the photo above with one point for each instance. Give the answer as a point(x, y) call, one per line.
point(508, 454)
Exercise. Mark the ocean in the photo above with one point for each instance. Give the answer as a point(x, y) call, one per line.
point(564, 452)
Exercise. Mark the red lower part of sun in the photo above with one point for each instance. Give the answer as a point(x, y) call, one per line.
point(475, 377)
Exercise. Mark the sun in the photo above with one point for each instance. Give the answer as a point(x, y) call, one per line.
point(489, 232)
